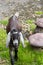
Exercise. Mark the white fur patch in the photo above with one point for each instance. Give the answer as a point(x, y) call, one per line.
point(15, 32)
point(15, 41)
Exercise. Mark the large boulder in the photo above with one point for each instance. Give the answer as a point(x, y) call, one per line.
point(36, 40)
point(39, 22)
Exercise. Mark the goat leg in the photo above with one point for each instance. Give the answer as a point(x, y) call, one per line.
point(16, 55)
point(12, 57)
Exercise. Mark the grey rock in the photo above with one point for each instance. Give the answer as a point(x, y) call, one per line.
point(39, 22)
point(38, 30)
point(36, 40)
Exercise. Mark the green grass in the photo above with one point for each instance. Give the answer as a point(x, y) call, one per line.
point(26, 56)
point(38, 12)
point(4, 22)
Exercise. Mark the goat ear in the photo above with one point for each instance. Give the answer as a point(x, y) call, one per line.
point(22, 39)
point(8, 39)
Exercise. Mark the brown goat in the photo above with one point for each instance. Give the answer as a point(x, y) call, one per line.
point(13, 30)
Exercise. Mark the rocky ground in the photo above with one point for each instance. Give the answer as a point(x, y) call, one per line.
point(25, 7)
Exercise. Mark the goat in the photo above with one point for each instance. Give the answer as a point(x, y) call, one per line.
point(14, 36)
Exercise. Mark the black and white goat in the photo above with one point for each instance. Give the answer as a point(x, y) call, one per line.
point(14, 36)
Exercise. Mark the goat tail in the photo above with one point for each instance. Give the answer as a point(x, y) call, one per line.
point(17, 14)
